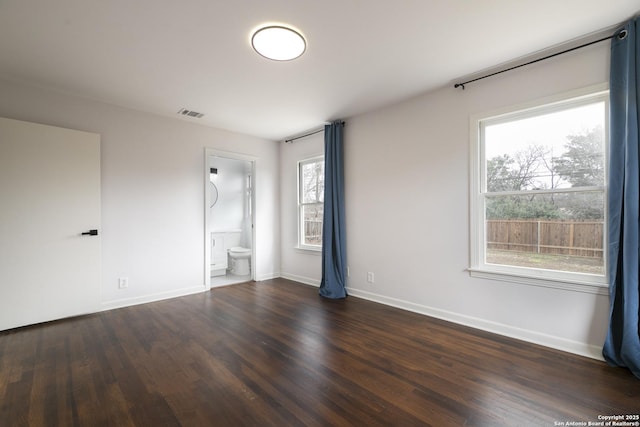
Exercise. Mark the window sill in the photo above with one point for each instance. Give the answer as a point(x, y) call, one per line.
point(308, 250)
point(567, 285)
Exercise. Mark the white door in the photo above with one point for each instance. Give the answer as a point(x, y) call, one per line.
point(49, 196)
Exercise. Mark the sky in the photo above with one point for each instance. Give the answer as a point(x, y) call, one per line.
point(549, 130)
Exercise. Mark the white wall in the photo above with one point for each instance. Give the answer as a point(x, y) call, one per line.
point(153, 191)
point(228, 213)
point(407, 208)
point(296, 264)
point(407, 175)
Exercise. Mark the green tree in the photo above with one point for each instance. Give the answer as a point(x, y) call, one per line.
point(538, 206)
point(500, 176)
point(582, 165)
point(523, 171)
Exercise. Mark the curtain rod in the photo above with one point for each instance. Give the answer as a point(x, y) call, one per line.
point(290, 140)
point(620, 34)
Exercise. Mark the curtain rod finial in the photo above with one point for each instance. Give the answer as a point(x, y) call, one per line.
point(457, 85)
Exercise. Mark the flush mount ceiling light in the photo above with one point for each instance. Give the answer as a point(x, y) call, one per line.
point(278, 43)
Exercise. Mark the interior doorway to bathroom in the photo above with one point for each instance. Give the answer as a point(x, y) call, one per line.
point(229, 218)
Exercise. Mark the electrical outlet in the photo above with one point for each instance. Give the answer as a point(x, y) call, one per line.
point(123, 282)
point(370, 277)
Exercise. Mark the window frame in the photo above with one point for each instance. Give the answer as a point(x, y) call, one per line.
point(581, 282)
point(300, 244)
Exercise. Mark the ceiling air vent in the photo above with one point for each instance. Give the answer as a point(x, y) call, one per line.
point(190, 113)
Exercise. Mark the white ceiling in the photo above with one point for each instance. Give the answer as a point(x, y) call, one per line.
point(162, 55)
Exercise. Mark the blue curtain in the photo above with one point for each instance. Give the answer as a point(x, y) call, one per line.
point(334, 254)
point(622, 345)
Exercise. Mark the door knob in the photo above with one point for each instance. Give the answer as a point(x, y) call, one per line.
point(90, 233)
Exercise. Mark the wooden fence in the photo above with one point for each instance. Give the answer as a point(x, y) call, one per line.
point(577, 238)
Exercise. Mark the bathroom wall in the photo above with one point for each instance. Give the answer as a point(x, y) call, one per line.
point(230, 211)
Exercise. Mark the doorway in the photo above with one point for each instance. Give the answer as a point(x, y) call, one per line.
point(229, 218)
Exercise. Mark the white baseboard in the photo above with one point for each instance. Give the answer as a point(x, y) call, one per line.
point(558, 343)
point(268, 276)
point(144, 299)
point(301, 279)
point(126, 302)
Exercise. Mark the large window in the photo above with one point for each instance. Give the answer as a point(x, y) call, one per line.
point(539, 192)
point(310, 202)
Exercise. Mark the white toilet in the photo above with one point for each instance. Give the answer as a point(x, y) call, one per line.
point(239, 257)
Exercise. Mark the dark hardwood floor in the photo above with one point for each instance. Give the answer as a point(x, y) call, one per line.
point(276, 354)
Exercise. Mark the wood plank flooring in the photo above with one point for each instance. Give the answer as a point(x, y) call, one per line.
point(274, 353)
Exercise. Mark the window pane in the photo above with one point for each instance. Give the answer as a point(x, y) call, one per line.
point(312, 185)
point(561, 149)
point(312, 224)
point(552, 231)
